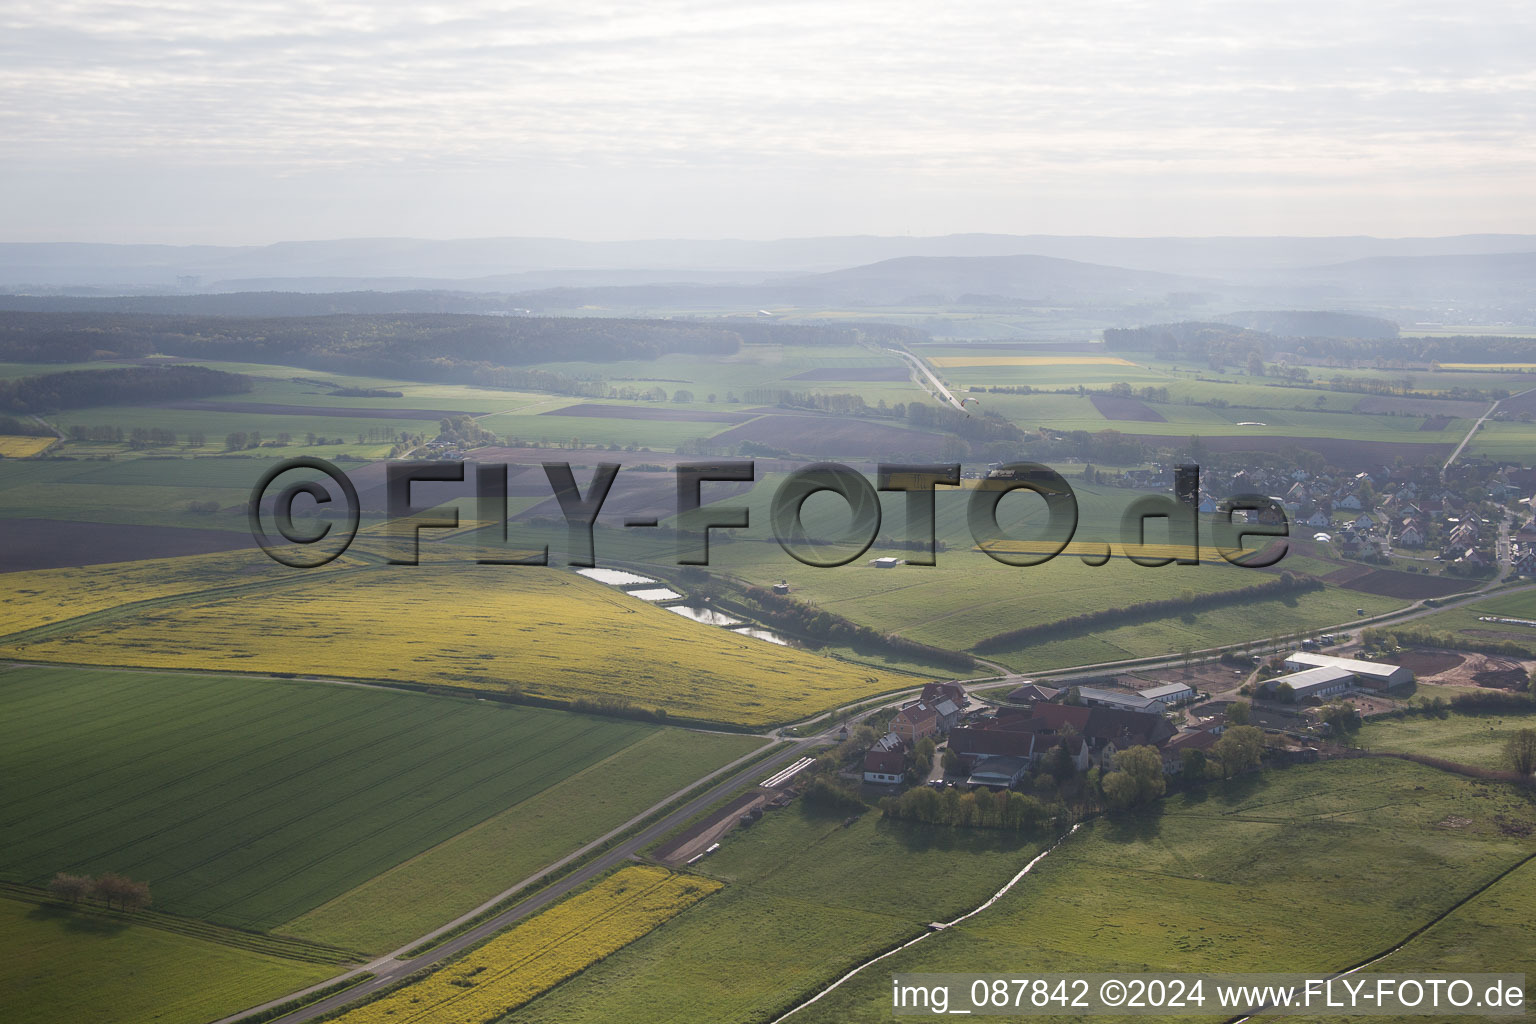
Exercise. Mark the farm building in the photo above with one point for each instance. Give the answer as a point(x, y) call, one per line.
point(1096, 698)
point(1313, 682)
point(885, 563)
point(1372, 674)
point(886, 761)
point(1031, 693)
point(1171, 694)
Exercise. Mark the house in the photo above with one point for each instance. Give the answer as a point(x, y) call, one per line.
point(1363, 522)
point(1471, 557)
point(1410, 536)
point(940, 691)
point(1094, 697)
point(1525, 565)
point(1192, 739)
point(1349, 501)
point(1463, 534)
point(1031, 693)
point(1171, 694)
point(1374, 675)
point(886, 761)
point(915, 721)
point(1319, 518)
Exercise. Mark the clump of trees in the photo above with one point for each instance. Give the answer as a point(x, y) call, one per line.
point(134, 385)
point(1003, 809)
point(1137, 778)
point(110, 888)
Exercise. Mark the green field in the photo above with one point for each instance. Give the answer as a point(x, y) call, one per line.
point(1297, 870)
point(65, 967)
point(1466, 620)
point(804, 896)
point(968, 596)
point(252, 802)
point(1469, 739)
point(464, 871)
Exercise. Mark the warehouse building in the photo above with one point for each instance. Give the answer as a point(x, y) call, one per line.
point(1313, 682)
point(1373, 675)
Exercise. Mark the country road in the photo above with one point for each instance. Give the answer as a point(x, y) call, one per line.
point(1475, 428)
point(922, 369)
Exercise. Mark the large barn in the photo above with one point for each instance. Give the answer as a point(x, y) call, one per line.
point(1374, 675)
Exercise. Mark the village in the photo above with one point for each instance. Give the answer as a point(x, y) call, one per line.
point(1469, 521)
point(997, 738)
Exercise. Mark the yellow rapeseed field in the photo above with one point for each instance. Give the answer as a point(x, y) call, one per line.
point(545, 631)
point(541, 952)
point(1049, 360)
point(17, 446)
point(41, 596)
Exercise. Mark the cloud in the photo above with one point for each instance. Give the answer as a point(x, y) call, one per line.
point(1063, 97)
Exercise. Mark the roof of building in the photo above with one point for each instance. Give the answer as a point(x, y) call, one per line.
point(1167, 690)
point(946, 708)
point(998, 770)
point(917, 711)
point(1033, 692)
point(1312, 679)
point(1368, 669)
point(1132, 701)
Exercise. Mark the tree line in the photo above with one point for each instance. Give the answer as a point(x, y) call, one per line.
point(1284, 585)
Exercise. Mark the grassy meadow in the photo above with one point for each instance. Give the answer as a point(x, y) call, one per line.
point(1469, 739)
point(1308, 869)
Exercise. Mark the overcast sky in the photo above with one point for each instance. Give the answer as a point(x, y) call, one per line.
point(257, 121)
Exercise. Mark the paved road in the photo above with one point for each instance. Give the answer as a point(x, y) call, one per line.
point(922, 369)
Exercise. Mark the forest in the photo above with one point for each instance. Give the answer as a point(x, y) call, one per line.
point(134, 385)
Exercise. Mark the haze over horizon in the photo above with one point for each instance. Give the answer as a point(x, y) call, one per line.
point(256, 123)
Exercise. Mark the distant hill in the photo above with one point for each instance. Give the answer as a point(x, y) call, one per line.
point(461, 264)
point(923, 280)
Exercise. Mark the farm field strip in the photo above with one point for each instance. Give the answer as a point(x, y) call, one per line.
point(21, 446)
point(542, 951)
point(466, 870)
point(256, 827)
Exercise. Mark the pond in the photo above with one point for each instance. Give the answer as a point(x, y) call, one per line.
point(655, 594)
point(708, 616)
point(763, 634)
